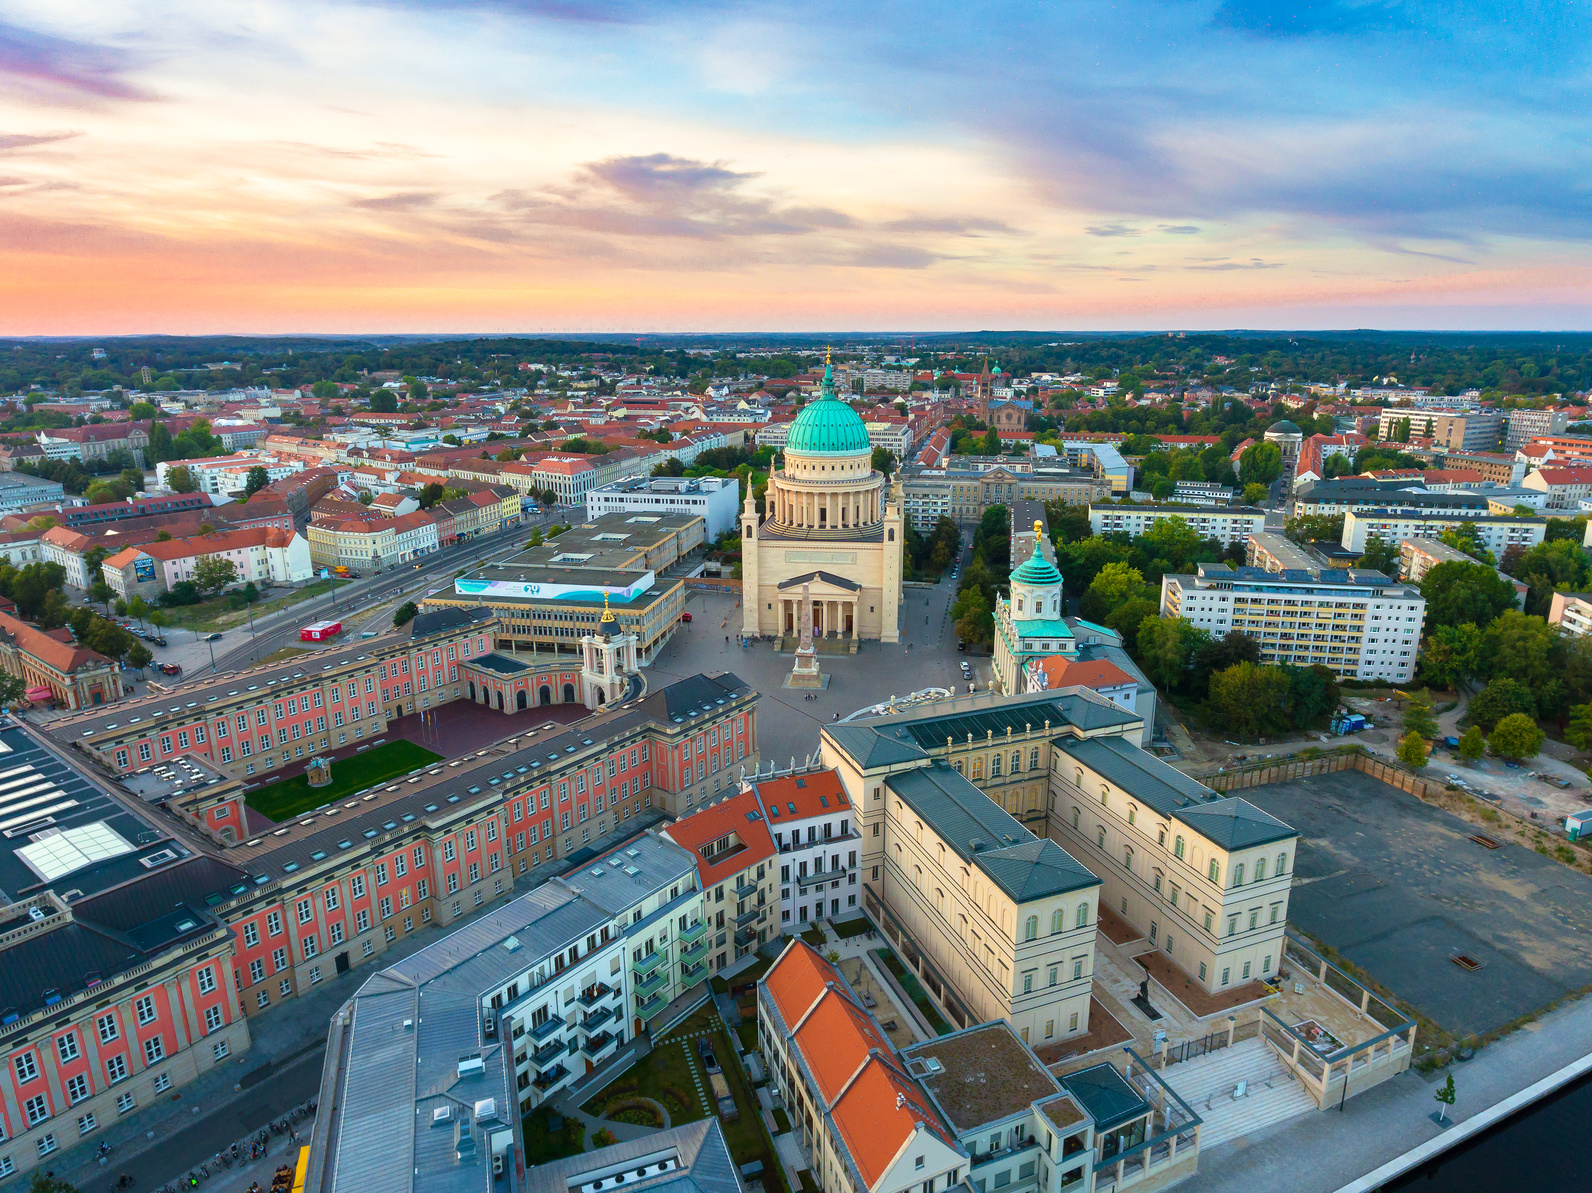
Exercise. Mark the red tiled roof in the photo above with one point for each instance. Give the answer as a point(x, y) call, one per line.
point(65, 657)
point(721, 820)
point(1084, 673)
point(814, 794)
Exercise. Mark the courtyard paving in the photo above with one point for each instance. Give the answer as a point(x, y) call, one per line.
point(788, 722)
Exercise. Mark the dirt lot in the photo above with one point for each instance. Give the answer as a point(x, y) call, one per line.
point(1399, 888)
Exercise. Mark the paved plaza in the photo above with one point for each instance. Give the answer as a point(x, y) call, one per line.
point(788, 722)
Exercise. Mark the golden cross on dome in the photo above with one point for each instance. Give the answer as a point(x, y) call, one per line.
point(608, 614)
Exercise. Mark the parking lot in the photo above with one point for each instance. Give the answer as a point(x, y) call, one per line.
point(1400, 888)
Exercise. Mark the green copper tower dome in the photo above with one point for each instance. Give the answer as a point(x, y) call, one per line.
point(827, 426)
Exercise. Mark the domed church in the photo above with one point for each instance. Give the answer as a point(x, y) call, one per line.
point(831, 526)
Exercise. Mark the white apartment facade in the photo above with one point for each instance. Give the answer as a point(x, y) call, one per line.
point(1361, 624)
point(1496, 532)
point(1522, 425)
point(1229, 526)
point(1572, 613)
point(810, 817)
point(219, 475)
point(1564, 487)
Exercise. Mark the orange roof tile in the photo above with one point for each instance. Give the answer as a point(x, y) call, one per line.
point(798, 797)
point(1092, 673)
point(837, 1037)
point(721, 820)
point(876, 1123)
point(797, 979)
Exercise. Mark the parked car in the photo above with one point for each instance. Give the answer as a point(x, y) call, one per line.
point(212, 637)
point(685, 617)
point(158, 641)
point(170, 669)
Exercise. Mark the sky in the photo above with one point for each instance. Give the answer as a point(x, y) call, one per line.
point(613, 165)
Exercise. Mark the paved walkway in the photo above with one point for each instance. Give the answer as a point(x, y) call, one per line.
point(1326, 1150)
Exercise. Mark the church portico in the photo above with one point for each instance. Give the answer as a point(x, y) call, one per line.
point(832, 522)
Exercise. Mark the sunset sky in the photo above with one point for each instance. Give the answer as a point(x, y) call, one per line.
point(565, 165)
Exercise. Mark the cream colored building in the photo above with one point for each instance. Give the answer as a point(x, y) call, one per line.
point(1204, 878)
point(830, 526)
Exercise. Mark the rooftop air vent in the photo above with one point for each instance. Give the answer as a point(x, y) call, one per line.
point(471, 1066)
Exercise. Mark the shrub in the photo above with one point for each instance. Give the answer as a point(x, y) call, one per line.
point(1515, 737)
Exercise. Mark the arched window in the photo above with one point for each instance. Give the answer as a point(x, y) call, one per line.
point(978, 768)
point(1019, 604)
point(1104, 791)
point(1031, 928)
point(1127, 857)
point(1238, 874)
point(1177, 847)
point(1057, 921)
point(1100, 837)
point(1260, 869)
point(917, 876)
point(1075, 817)
point(995, 766)
point(1017, 762)
point(1282, 864)
point(1215, 871)
point(1083, 915)
point(1077, 777)
point(1133, 814)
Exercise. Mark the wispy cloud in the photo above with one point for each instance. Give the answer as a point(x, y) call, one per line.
point(40, 60)
point(10, 141)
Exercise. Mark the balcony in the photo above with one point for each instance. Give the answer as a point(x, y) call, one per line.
point(657, 981)
point(549, 1052)
point(648, 963)
point(597, 1044)
point(694, 933)
point(745, 936)
point(746, 890)
point(545, 1030)
point(691, 974)
point(694, 952)
point(747, 916)
point(549, 1079)
point(596, 1019)
point(1005, 1153)
point(592, 995)
point(647, 1008)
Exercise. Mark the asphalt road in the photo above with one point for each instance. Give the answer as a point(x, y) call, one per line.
point(284, 1088)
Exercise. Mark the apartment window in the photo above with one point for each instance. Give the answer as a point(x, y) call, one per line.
point(145, 1007)
point(278, 960)
point(329, 897)
point(390, 933)
point(154, 1049)
point(367, 948)
point(124, 1103)
point(1225, 975)
point(46, 1144)
point(116, 1068)
point(285, 987)
point(381, 873)
point(212, 1019)
point(262, 999)
point(256, 972)
point(453, 882)
point(66, 1047)
point(27, 1067)
point(273, 923)
point(356, 886)
point(385, 906)
point(362, 921)
point(447, 846)
point(207, 980)
point(1202, 971)
point(1028, 983)
point(1215, 872)
point(1031, 928)
point(162, 1083)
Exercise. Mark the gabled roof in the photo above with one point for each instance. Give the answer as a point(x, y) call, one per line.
point(826, 577)
point(740, 816)
point(799, 797)
point(797, 980)
point(1235, 823)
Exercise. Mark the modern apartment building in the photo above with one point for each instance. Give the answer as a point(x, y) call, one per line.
point(1419, 556)
point(1333, 499)
point(716, 500)
point(736, 870)
point(1572, 613)
point(1232, 525)
point(1522, 426)
point(1496, 532)
point(1360, 623)
point(1564, 487)
point(964, 492)
point(810, 818)
point(1277, 552)
point(1456, 430)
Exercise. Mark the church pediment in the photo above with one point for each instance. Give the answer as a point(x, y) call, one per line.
point(819, 580)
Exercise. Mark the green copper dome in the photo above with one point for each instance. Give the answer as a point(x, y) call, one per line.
point(827, 426)
point(1037, 571)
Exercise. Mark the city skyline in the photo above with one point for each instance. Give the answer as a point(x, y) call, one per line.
point(493, 166)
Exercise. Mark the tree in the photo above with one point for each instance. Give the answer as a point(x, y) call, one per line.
point(324, 389)
point(1312, 694)
point(669, 467)
point(1166, 647)
point(212, 573)
point(257, 479)
point(181, 480)
point(1255, 493)
point(1560, 565)
point(1260, 463)
point(1380, 556)
point(1248, 700)
point(1445, 1096)
point(1218, 654)
point(1418, 718)
point(103, 593)
point(1412, 750)
point(1308, 528)
point(549, 497)
point(536, 537)
point(1499, 699)
point(12, 689)
point(384, 402)
point(1112, 585)
point(1466, 538)
point(1458, 592)
point(1578, 730)
point(48, 1182)
point(1451, 656)
point(974, 622)
point(992, 443)
point(160, 446)
point(404, 614)
point(883, 461)
point(1129, 616)
point(1519, 646)
point(1472, 744)
point(1173, 540)
point(1516, 737)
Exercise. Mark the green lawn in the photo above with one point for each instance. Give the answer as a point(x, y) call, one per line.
point(815, 937)
point(287, 798)
point(543, 1148)
point(846, 929)
point(214, 613)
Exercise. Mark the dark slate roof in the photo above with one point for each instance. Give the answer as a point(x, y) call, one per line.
point(705, 1163)
point(699, 695)
point(1079, 707)
point(1106, 1095)
point(986, 835)
point(869, 748)
point(826, 577)
point(501, 663)
point(1227, 821)
point(435, 621)
point(62, 962)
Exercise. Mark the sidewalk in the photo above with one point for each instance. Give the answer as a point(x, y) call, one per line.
point(1329, 1149)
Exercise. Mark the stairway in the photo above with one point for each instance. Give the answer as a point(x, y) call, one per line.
point(1207, 1084)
